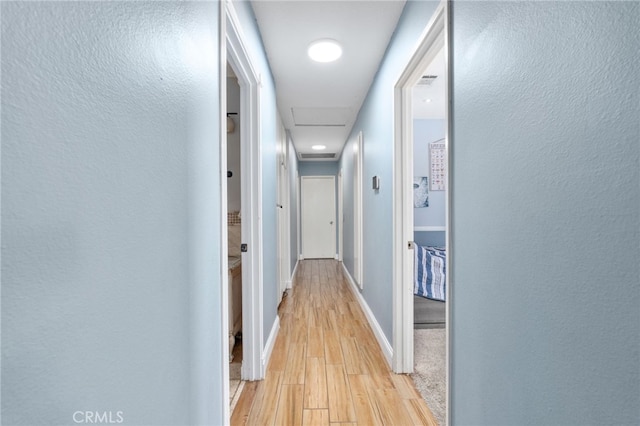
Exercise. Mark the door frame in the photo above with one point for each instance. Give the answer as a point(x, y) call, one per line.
point(333, 181)
point(233, 49)
point(434, 38)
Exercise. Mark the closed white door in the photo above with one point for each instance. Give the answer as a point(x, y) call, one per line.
point(318, 206)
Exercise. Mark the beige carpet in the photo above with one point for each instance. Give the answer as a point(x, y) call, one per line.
point(235, 384)
point(429, 369)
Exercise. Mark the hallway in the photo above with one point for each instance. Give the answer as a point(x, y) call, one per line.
point(326, 366)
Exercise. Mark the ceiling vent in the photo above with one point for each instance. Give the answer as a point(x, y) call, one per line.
point(313, 156)
point(426, 80)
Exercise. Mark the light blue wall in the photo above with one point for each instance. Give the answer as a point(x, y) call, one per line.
point(430, 238)
point(110, 212)
point(323, 168)
point(546, 204)
point(375, 120)
point(425, 132)
point(293, 201)
point(318, 168)
point(268, 136)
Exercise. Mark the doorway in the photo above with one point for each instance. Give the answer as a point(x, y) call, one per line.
point(429, 236)
point(233, 48)
point(318, 217)
point(405, 272)
point(234, 235)
point(283, 211)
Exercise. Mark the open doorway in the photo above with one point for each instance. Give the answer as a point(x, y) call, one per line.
point(429, 236)
point(234, 235)
point(283, 211)
point(422, 249)
point(247, 122)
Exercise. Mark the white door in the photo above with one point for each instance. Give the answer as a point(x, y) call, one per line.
point(318, 217)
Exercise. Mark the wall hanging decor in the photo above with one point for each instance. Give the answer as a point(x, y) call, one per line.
point(420, 192)
point(438, 165)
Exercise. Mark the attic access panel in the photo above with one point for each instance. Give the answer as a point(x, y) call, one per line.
point(322, 117)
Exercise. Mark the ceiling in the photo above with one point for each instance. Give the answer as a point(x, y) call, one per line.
point(429, 95)
point(319, 102)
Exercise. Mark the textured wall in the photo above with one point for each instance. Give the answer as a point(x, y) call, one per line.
point(546, 226)
point(110, 213)
point(375, 120)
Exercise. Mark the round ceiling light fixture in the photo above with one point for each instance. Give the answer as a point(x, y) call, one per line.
point(325, 50)
point(318, 147)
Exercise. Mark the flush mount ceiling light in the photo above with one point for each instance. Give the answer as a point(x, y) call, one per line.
point(325, 50)
point(318, 147)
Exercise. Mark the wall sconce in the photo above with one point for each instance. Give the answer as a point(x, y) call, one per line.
point(231, 125)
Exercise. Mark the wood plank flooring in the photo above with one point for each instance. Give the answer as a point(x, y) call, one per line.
point(326, 367)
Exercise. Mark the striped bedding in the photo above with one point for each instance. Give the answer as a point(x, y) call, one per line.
point(430, 272)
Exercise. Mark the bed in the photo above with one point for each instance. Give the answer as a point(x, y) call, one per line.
point(429, 287)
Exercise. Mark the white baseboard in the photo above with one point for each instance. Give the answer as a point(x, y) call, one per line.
point(386, 347)
point(271, 341)
point(300, 257)
point(293, 275)
point(336, 257)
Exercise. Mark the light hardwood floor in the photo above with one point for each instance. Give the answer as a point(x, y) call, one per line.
point(326, 367)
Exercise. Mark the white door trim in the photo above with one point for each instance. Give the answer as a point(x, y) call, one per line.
point(432, 40)
point(251, 210)
point(203, 407)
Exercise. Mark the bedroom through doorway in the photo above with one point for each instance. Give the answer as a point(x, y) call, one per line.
point(421, 217)
point(429, 235)
point(234, 234)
